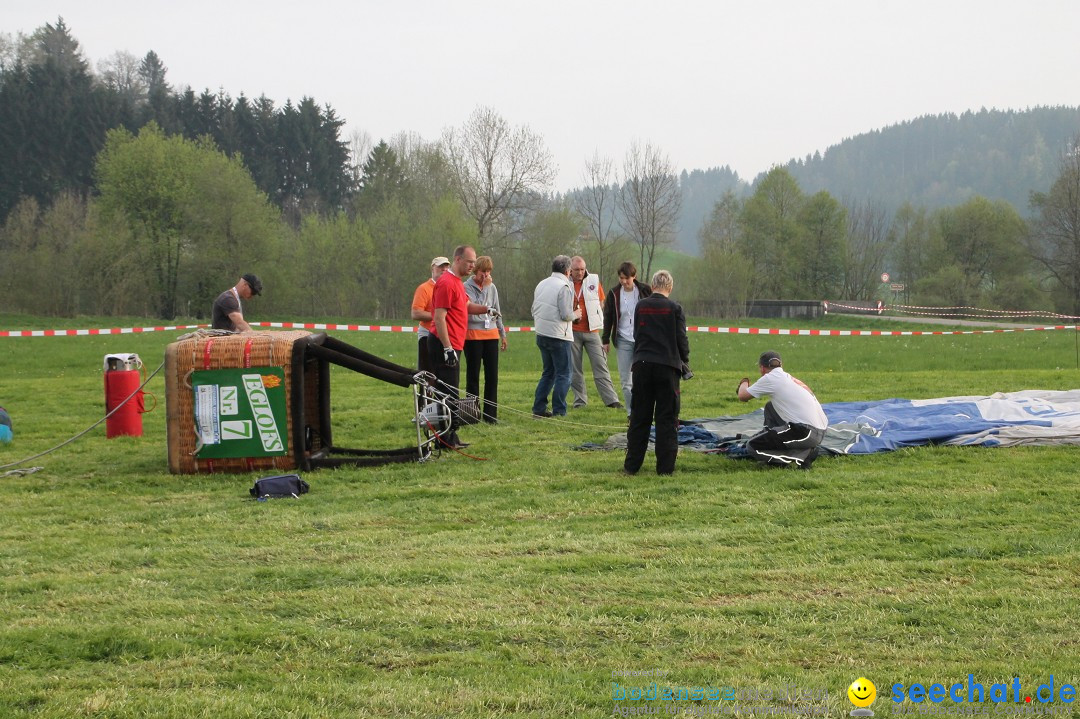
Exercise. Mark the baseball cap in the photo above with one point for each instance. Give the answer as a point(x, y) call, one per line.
point(770, 359)
point(253, 282)
point(439, 262)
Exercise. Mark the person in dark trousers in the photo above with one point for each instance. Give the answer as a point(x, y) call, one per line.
point(451, 311)
point(661, 350)
point(553, 317)
point(619, 325)
point(795, 424)
point(485, 337)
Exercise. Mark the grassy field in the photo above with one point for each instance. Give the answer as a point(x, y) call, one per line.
point(526, 583)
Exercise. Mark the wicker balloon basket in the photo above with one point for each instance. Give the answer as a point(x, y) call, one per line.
point(205, 352)
point(261, 401)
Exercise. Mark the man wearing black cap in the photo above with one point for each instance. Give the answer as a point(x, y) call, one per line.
point(795, 424)
point(228, 313)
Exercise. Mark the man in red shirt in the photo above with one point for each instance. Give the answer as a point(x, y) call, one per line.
point(452, 309)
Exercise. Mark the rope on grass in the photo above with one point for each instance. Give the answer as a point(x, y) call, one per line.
point(21, 472)
point(80, 434)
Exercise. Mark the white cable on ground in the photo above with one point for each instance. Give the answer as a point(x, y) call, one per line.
point(507, 408)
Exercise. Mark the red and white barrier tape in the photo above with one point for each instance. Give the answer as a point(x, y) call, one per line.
point(102, 331)
point(409, 328)
point(1003, 315)
point(1014, 313)
point(979, 312)
point(868, 333)
point(328, 326)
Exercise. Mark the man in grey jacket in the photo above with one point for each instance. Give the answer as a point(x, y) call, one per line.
point(553, 316)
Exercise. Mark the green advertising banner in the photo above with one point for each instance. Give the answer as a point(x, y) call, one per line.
point(240, 412)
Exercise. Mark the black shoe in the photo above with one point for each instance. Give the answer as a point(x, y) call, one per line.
point(542, 415)
point(806, 463)
point(460, 445)
point(617, 405)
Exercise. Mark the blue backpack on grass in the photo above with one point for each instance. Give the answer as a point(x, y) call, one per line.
point(5, 426)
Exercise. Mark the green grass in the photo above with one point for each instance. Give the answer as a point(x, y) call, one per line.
point(516, 585)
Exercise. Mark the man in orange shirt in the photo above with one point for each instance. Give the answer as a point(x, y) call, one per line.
point(423, 311)
point(589, 298)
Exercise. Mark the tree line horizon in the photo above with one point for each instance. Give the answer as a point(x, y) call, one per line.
point(151, 200)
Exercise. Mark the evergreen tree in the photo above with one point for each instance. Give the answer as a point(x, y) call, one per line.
point(159, 103)
point(381, 181)
point(54, 120)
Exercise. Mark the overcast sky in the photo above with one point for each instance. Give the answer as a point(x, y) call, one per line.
point(712, 83)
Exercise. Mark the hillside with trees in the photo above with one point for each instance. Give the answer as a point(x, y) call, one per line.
point(932, 161)
point(148, 199)
point(56, 112)
point(941, 160)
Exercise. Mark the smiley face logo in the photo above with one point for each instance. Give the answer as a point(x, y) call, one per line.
point(862, 692)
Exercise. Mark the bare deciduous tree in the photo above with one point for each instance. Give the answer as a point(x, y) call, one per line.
point(721, 282)
point(498, 170)
point(864, 251)
point(596, 204)
point(650, 200)
point(120, 73)
point(360, 146)
point(13, 49)
point(1054, 237)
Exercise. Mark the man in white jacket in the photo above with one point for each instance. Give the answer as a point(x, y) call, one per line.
point(553, 314)
point(589, 297)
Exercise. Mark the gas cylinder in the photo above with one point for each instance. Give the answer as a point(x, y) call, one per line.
point(122, 380)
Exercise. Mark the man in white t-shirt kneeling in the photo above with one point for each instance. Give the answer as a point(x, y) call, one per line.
point(795, 424)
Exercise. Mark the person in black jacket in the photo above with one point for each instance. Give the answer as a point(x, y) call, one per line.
point(660, 351)
point(619, 325)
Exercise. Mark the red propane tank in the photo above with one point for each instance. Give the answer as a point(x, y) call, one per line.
point(119, 385)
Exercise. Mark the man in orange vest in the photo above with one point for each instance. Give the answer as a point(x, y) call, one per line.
point(424, 313)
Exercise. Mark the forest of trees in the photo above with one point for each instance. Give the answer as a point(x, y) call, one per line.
point(148, 199)
point(941, 160)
